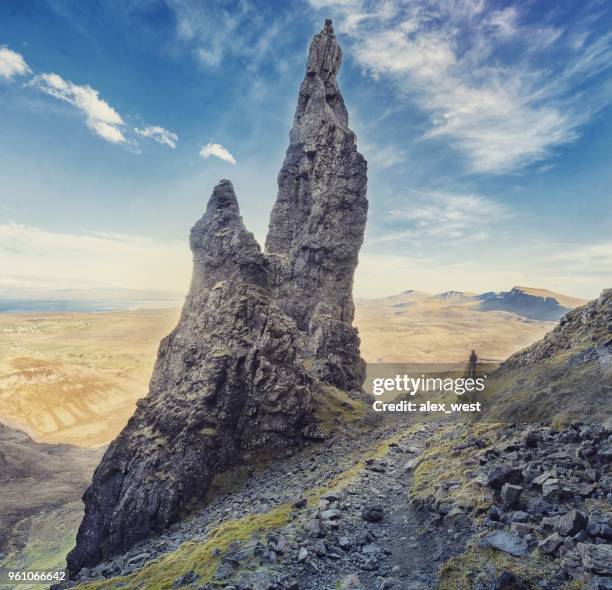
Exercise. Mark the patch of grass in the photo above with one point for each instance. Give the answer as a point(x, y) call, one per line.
point(463, 571)
point(334, 409)
point(42, 541)
point(441, 462)
point(161, 573)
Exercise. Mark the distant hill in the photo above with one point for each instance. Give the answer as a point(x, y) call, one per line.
point(456, 296)
point(36, 476)
point(566, 375)
point(536, 304)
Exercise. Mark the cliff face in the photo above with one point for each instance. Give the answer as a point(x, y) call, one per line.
point(231, 378)
point(318, 220)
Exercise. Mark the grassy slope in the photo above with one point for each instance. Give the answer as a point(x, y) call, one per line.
point(565, 376)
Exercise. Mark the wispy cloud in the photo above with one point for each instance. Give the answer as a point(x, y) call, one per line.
point(581, 270)
point(587, 258)
point(159, 134)
point(216, 150)
point(100, 117)
point(443, 217)
point(213, 30)
point(12, 63)
point(478, 73)
point(35, 257)
point(383, 156)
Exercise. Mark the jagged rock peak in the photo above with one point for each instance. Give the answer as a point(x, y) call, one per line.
point(319, 99)
point(231, 378)
point(325, 55)
point(222, 247)
point(318, 221)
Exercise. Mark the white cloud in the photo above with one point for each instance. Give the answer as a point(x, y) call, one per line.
point(502, 109)
point(12, 64)
point(216, 151)
point(383, 156)
point(34, 257)
point(504, 21)
point(100, 117)
point(159, 134)
point(444, 217)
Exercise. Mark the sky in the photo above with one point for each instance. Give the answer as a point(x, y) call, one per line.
point(487, 127)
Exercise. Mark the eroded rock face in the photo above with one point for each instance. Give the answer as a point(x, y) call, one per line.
point(318, 220)
point(228, 380)
point(231, 378)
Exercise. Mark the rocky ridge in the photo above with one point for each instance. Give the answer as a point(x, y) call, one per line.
point(493, 508)
point(537, 304)
point(567, 375)
point(258, 338)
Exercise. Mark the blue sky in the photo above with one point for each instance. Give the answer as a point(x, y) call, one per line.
point(487, 126)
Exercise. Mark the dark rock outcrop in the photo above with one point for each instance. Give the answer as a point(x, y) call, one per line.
point(318, 220)
point(231, 379)
point(228, 380)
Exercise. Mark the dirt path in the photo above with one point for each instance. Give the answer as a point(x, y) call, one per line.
point(327, 538)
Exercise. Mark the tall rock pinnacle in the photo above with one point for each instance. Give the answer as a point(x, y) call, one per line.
point(232, 378)
point(228, 380)
point(318, 220)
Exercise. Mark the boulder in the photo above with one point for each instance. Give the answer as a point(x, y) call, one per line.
point(550, 544)
point(501, 474)
point(373, 513)
point(510, 494)
point(553, 490)
point(596, 558)
point(570, 523)
point(506, 542)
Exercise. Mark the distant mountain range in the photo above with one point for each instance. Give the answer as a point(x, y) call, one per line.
point(536, 304)
point(414, 326)
point(528, 302)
